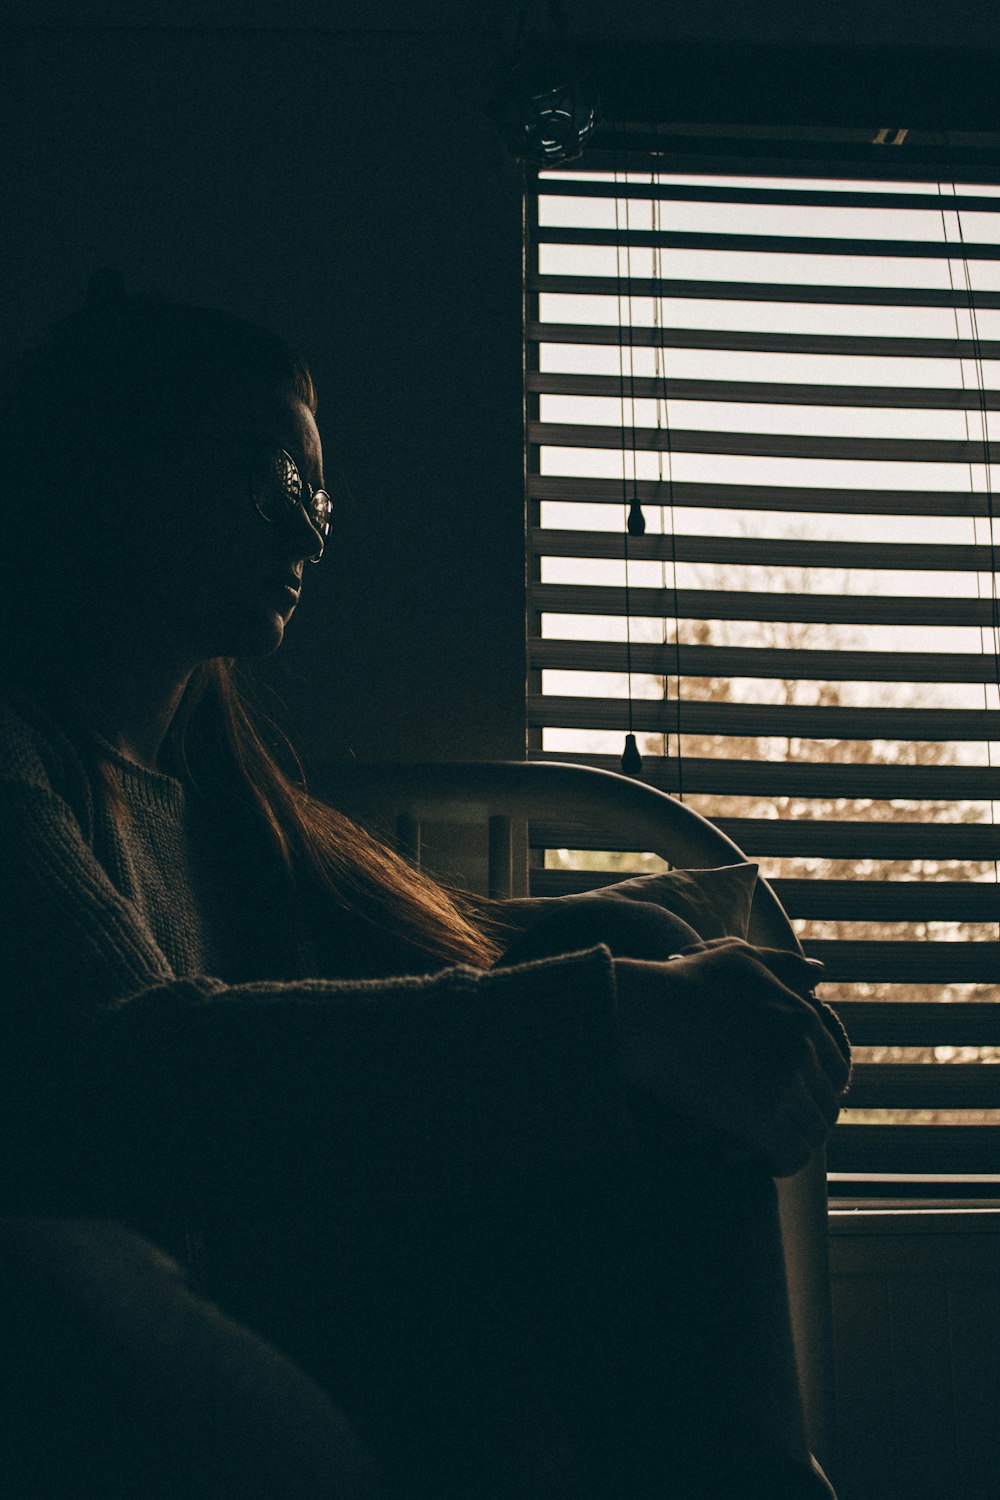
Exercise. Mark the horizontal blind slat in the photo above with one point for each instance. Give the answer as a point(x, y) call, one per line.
point(763, 662)
point(784, 721)
point(799, 837)
point(714, 604)
point(799, 498)
point(770, 244)
point(668, 192)
point(766, 551)
point(913, 1148)
point(764, 343)
point(929, 1023)
point(778, 152)
point(762, 444)
point(924, 1086)
point(906, 962)
point(705, 775)
point(874, 839)
point(627, 387)
point(890, 900)
point(762, 291)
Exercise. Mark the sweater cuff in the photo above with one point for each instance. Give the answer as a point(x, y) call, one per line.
point(169, 995)
point(525, 1078)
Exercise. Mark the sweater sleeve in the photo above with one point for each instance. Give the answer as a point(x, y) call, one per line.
point(71, 940)
point(332, 1095)
point(73, 946)
point(126, 1088)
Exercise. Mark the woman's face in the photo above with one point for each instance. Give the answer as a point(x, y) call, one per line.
point(208, 575)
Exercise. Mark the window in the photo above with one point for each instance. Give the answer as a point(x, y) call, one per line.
point(784, 350)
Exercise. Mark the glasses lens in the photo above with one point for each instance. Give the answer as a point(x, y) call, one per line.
point(277, 490)
point(276, 485)
point(320, 511)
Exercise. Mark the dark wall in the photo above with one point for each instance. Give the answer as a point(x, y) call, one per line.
point(349, 192)
point(346, 187)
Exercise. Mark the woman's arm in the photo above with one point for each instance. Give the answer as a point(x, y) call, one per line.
point(124, 1082)
point(351, 1094)
point(73, 946)
point(126, 1087)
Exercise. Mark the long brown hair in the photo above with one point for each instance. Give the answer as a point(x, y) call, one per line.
point(148, 364)
point(218, 726)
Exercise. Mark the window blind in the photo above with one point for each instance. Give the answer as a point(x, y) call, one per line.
point(783, 349)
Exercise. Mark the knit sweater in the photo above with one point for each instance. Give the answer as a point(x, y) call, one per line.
point(169, 1038)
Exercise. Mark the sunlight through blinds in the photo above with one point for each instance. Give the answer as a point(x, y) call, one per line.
point(787, 352)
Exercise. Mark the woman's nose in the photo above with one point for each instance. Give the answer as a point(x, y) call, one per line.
point(307, 540)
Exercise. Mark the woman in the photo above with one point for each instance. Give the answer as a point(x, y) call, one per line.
point(226, 1006)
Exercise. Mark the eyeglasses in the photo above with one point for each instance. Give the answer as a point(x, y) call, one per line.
point(277, 489)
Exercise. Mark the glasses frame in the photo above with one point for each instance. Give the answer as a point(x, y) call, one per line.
point(304, 500)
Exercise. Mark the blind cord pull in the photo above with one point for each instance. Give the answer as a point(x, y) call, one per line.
point(631, 759)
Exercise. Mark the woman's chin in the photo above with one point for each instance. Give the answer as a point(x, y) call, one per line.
point(269, 635)
point(259, 634)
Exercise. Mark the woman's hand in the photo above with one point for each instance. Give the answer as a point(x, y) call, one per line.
point(725, 1037)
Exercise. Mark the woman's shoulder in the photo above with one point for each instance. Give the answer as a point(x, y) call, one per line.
point(37, 753)
point(25, 742)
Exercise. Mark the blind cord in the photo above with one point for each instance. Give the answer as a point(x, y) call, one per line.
point(661, 377)
point(635, 525)
point(977, 355)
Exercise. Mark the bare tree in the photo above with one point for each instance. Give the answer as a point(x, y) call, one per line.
point(802, 636)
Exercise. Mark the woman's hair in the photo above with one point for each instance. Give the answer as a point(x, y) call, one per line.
point(115, 378)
